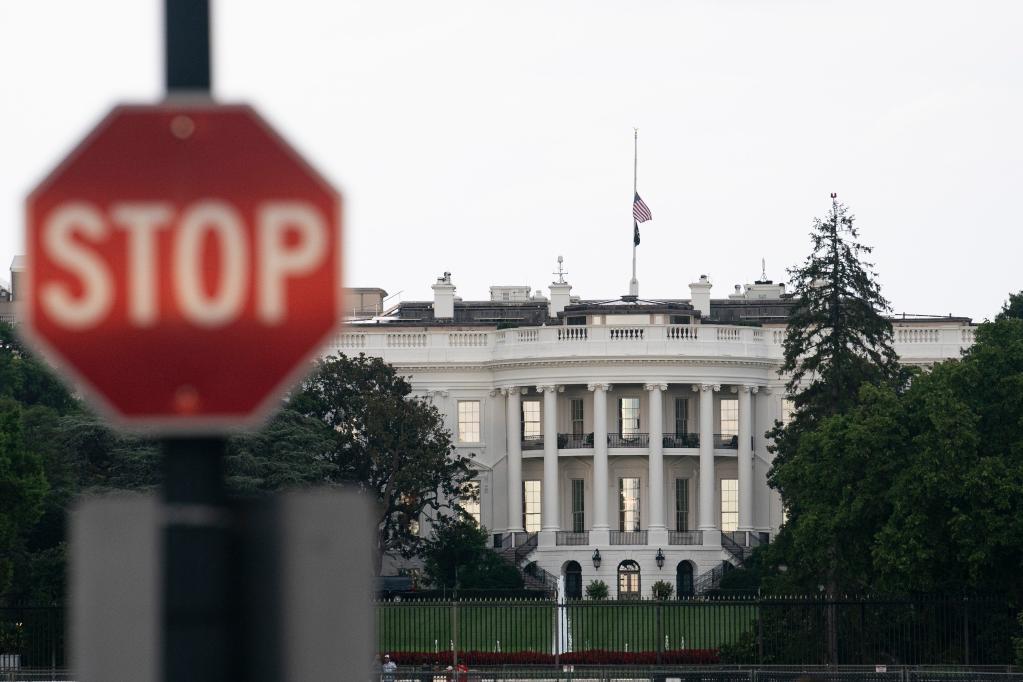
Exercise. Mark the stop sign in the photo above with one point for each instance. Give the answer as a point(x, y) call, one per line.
point(183, 265)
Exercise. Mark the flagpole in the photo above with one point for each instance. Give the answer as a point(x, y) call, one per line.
point(634, 283)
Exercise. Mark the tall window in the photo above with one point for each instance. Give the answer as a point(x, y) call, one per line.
point(531, 496)
point(530, 418)
point(628, 580)
point(468, 421)
point(788, 408)
point(681, 416)
point(578, 511)
point(470, 500)
point(628, 504)
point(681, 504)
point(730, 417)
point(577, 416)
point(729, 504)
point(628, 416)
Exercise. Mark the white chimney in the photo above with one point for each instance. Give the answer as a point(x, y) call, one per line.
point(700, 295)
point(561, 296)
point(444, 298)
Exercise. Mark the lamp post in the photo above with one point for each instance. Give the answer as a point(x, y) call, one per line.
point(659, 558)
point(596, 558)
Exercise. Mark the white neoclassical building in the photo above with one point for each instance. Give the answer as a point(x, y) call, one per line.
point(622, 440)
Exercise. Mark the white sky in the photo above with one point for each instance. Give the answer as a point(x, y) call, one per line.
point(487, 138)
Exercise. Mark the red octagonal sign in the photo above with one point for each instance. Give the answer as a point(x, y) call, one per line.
point(183, 265)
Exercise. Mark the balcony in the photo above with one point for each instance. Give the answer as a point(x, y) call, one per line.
point(628, 537)
point(573, 441)
point(565, 537)
point(726, 441)
point(532, 442)
point(685, 537)
point(681, 440)
point(628, 440)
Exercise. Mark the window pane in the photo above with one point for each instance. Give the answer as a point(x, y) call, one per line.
point(531, 496)
point(788, 407)
point(577, 416)
point(530, 418)
point(681, 416)
point(729, 504)
point(471, 500)
point(628, 416)
point(468, 421)
point(628, 504)
point(578, 513)
point(730, 417)
point(681, 504)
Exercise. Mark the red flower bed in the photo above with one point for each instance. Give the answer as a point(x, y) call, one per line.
point(591, 657)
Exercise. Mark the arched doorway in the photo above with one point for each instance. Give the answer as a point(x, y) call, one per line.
point(684, 579)
point(628, 580)
point(573, 580)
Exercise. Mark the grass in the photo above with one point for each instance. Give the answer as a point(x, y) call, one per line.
point(530, 626)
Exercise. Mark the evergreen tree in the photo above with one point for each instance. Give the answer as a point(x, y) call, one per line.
point(838, 341)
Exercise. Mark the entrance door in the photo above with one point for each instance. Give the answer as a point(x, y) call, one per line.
point(573, 580)
point(684, 579)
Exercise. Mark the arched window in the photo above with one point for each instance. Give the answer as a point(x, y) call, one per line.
point(628, 580)
point(684, 579)
point(573, 580)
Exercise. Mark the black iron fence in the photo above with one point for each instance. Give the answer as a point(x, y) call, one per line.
point(793, 631)
point(700, 631)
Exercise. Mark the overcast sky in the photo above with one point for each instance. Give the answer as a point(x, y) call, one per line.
point(488, 138)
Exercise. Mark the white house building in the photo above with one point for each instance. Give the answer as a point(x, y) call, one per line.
point(619, 440)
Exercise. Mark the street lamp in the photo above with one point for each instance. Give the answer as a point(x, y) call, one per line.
point(596, 558)
point(659, 558)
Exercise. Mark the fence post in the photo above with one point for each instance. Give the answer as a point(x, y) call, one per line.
point(760, 630)
point(966, 629)
point(454, 634)
point(660, 630)
point(557, 634)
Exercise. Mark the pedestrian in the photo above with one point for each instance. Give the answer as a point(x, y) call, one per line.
point(388, 669)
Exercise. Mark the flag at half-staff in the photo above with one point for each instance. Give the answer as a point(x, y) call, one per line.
point(640, 214)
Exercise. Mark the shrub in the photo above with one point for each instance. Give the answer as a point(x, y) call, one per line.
point(662, 590)
point(596, 590)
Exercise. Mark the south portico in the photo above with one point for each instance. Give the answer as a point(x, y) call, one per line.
point(587, 442)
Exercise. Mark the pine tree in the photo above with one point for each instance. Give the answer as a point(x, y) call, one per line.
point(838, 337)
point(838, 341)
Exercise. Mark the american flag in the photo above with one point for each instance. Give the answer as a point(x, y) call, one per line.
point(640, 211)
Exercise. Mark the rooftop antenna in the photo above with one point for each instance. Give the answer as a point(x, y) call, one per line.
point(561, 271)
point(763, 269)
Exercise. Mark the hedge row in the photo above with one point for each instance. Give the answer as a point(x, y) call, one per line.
point(590, 657)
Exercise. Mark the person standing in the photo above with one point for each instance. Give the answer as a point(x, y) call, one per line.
point(388, 669)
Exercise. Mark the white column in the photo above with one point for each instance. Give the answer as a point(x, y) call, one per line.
point(708, 495)
point(599, 529)
point(657, 531)
point(746, 457)
point(550, 512)
point(513, 417)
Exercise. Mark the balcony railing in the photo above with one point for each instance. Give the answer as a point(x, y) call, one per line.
point(685, 537)
point(532, 442)
point(682, 440)
point(628, 440)
point(628, 537)
point(570, 441)
point(565, 537)
point(726, 441)
point(736, 536)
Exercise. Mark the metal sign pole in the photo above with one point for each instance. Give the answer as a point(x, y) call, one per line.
point(198, 597)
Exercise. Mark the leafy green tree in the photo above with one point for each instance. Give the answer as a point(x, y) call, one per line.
point(22, 488)
point(456, 555)
point(26, 379)
point(956, 520)
point(388, 443)
point(1013, 308)
point(291, 451)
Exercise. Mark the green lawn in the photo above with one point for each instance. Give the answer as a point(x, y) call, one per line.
point(529, 626)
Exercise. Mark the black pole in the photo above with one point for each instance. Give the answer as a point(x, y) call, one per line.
point(187, 40)
point(199, 599)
